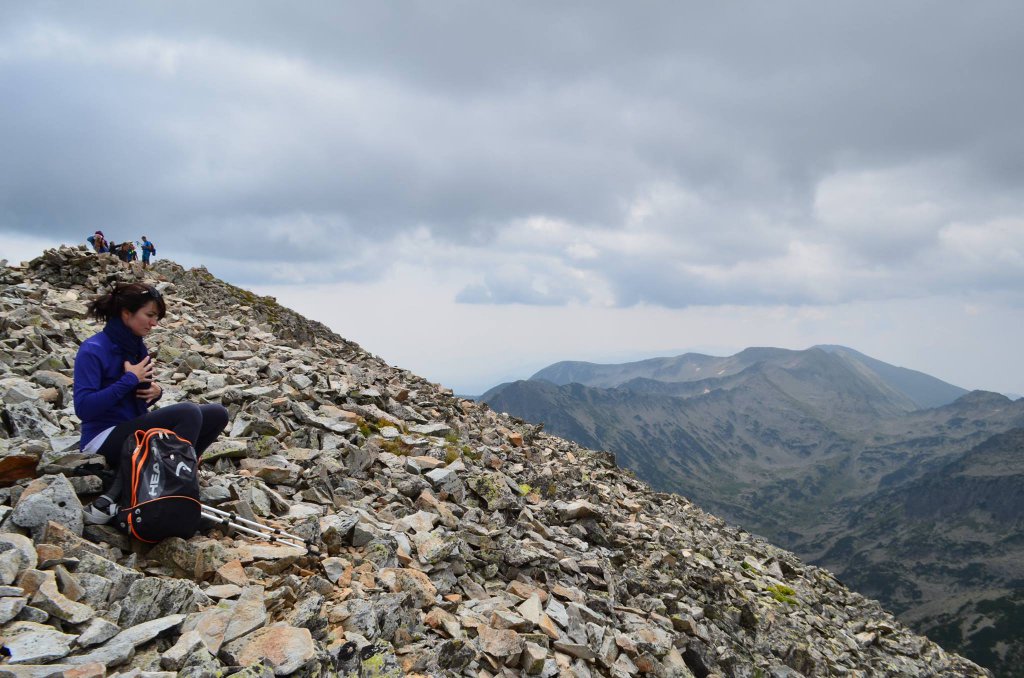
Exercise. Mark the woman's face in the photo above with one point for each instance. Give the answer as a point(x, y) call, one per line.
point(143, 320)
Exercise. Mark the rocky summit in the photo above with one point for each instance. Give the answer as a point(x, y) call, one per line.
point(453, 541)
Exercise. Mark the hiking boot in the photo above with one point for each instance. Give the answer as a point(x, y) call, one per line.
point(101, 511)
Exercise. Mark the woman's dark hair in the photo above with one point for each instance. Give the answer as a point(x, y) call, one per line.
point(130, 297)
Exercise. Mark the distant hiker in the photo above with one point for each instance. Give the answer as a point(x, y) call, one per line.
point(114, 386)
point(125, 251)
point(98, 242)
point(148, 249)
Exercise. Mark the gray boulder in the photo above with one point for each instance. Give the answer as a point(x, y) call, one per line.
point(45, 499)
point(30, 643)
point(152, 598)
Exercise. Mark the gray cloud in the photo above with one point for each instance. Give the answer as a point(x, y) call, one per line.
point(520, 284)
point(695, 154)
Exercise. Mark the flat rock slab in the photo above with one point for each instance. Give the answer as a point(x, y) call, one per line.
point(436, 429)
point(111, 654)
point(30, 643)
point(421, 521)
point(210, 625)
point(286, 648)
point(97, 631)
point(251, 552)
point(531, 609)
point(274, 469)
point(152, 598)
point(249, 613)
point(421, 464)
point(576, 650)
point(221, 591)
point(94, 670)
point(500, 642)
point(576, 510)
point(147, 631)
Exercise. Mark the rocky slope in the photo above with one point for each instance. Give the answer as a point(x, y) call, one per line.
point(457, 541)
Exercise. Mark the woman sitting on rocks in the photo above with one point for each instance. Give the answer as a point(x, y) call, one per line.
point(114, 386)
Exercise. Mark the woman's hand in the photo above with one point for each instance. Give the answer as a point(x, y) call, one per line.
point(151, 393)
point(143, 369)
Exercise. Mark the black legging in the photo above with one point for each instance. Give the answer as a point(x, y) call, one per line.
point(198, 424)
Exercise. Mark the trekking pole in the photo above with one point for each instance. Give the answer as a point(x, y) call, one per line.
point(264, 533)
point(271, 534)
point(256, 533)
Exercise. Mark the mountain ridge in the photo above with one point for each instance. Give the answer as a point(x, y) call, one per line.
point(784, 442)
point(923, 390)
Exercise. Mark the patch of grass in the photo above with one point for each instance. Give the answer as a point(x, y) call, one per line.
point(396, 447)
point(452, 436)
point(782, 593)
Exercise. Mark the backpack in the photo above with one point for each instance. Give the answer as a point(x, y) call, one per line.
point(159, 481)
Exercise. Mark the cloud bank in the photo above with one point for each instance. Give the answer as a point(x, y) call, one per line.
point(671, 155)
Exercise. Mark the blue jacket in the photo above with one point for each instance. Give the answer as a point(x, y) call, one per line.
point(104, 391)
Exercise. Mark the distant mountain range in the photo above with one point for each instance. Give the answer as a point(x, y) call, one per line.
point(915, 389)
point(899, 482)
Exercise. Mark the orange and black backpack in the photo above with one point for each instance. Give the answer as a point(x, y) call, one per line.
point(159, 486)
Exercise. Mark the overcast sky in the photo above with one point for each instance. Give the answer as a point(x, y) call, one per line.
point(475, 190)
